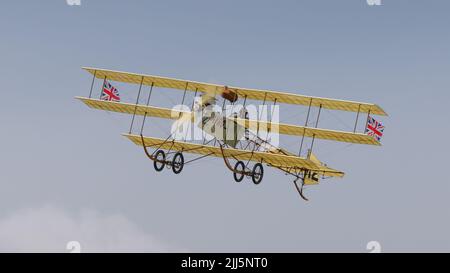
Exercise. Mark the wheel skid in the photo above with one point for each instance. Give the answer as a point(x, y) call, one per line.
point(300, 190)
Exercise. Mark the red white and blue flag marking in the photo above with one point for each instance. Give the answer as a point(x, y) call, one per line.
point(109, 92)
point(374, 128)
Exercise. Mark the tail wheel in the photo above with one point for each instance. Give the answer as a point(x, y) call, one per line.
point(238, 172)
point(257, 173)
point(178, 163)
point(160, 160)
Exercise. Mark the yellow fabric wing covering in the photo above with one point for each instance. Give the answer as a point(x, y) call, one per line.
point(296, 130)
point(286, 129)
point(129, 108)
point(279, 97)
point(285, 162)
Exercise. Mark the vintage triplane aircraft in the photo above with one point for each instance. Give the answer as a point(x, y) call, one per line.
point(234, 136)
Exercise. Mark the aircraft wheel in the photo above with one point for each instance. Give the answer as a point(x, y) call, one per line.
point(238, 173)
point(160, 160)
point(178, 163)
point(257, 173)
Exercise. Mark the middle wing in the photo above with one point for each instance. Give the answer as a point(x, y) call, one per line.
point(287, 129)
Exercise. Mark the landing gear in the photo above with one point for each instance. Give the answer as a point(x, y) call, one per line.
point(300, 189)
point(239, 171)
point(257, 173)
point(160, 160)
point(178, 163)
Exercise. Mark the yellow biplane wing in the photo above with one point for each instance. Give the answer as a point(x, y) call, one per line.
point(296, 130)
point(286, 162)
point(267, 95)
point(129, 108)
point(286, 129)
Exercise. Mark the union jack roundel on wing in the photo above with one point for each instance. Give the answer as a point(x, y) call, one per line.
point(109, 92)
point(374, 128)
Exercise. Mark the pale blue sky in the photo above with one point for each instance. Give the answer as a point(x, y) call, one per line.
point(57, 153)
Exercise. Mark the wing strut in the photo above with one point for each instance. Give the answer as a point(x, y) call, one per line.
point(148, 102)
point(137, 102)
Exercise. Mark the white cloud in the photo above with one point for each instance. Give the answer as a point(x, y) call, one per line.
point(49, 229)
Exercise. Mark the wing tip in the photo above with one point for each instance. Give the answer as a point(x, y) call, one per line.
point(380, 111)
point(88, 68)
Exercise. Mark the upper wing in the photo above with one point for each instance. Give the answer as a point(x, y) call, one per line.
point(286, 162)
point(255, 94)
point(156, 81)
point(332, 104)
